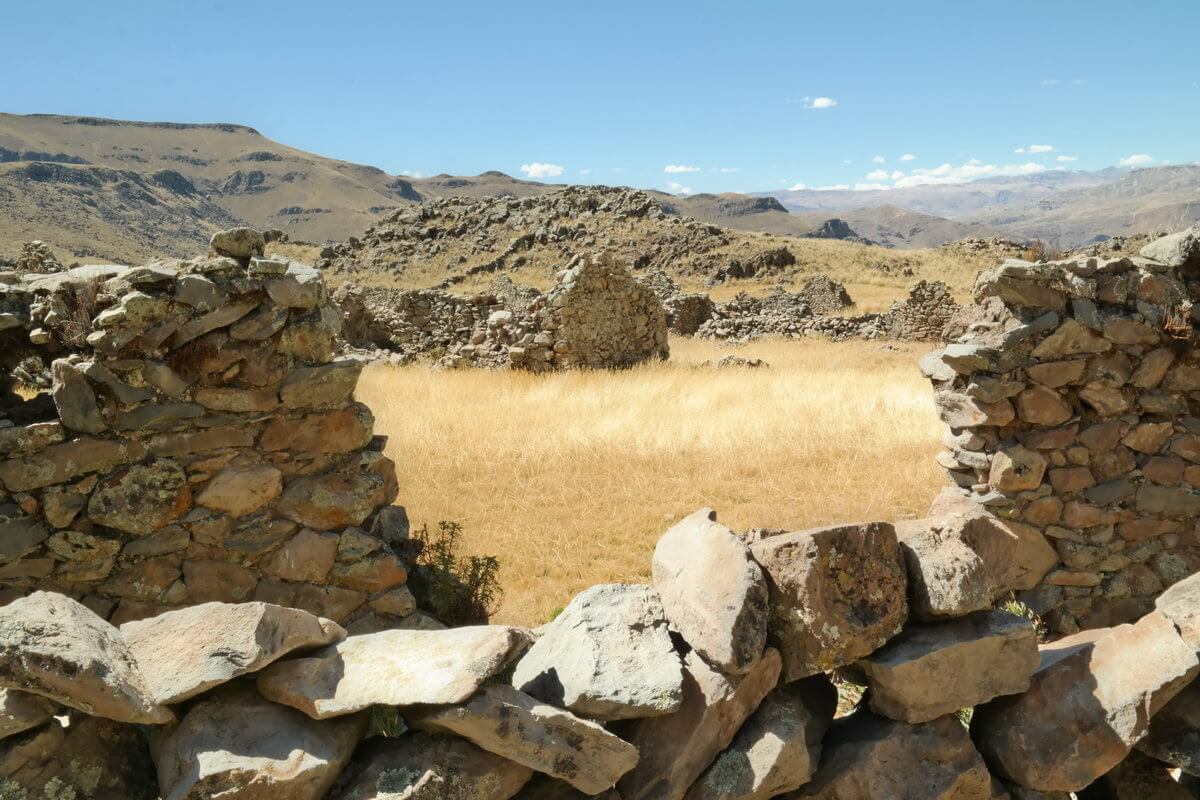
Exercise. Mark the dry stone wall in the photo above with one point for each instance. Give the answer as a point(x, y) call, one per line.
point(1071, 407)
point(200, 443)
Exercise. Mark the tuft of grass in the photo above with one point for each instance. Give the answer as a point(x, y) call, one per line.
point(570, 478)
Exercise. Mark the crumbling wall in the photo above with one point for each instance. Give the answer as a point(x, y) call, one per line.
point(1070, 405)
point(200, 442)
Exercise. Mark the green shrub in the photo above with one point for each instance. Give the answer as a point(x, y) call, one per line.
point(458, 590)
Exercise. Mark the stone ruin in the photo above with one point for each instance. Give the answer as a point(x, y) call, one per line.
point(1071, 409)
point(713, 681)
point(200, 443)
point(596, 316)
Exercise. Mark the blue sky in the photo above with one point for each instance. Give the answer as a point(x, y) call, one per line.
point(731, 96)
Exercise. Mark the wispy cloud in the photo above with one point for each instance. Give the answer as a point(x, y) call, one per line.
point(871, 187)
point(585, 172)
point(1035, 149)
point(672, 169)
point(908, 157)
point(1065, 159)
point(727, 169)
point(949, 173)
point(879, 160)
point(836, 187)
point(819, 102)
point(799, 187)
point(1137, 160)
point(539, 170)
point(678, 188)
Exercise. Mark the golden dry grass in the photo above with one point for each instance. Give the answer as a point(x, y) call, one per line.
point(570, 478)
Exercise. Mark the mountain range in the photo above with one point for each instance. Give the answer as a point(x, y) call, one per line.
point(99, 188)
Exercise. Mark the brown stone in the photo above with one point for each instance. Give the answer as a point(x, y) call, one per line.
point(145, 581)
point(216, 581)
point(63, 462)
point(1057, 373)
point(331, 432)
point(315, 387)
point(1106, 400)
point(1137, 530)
point(1071, 479)
point(1044, 511)
point(307, 556)
point(1042, 406)
point(961, 411)
point(374, 574)
point(141, 498)
point(1078, 514)
point(1126, 331)
point(1071, 339)
point(238, 400)
point(239, 491)
point(1161, 469)
point(1016, 469)
point(1153, 368)
point(333, 501)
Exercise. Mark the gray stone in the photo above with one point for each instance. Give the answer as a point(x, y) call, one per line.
point(20, 534)
point(75, 399)
point(606, 656)
point(141, 498)
point(238, 242)
point(316, 387)
point(1174, 736)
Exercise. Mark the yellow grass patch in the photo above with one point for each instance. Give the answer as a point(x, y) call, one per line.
point(570, 478)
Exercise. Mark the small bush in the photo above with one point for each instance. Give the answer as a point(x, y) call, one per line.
point(459, 590)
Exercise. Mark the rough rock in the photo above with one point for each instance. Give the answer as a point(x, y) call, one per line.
point(238, 242)
point(429, 767)
point(713, 592)
point(606, 656)
point(394, 668)
point(52, 646)
point(20, 711)
point(1088, 703)
point(836, 593)
point(777, 750)
point(676, 748)
point(867, 757)
point(141, 498)
point(234, 744)
point(514, 725)
point(934, 669)
point(187, 652)
point(1174, 735)
point(243, 490)
point(1138, 777)
point(1181, 604)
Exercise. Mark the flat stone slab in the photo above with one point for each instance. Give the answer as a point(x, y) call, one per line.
point(837, 594)
point(236, 744)
point(52, 646)
point(867, 757)
point(393, 668)
point(1089, 701)
point(933, 669)
point(510, 723)
point(430, 767)
point(608, 656)
point(713, 592)
point(777, 750)
point(187, 652)
point(676, 748)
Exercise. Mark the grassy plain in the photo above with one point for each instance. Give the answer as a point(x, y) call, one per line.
point(570, 478)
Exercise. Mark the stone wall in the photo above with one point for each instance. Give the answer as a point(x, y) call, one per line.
point(1070, 400)
point(200, 442)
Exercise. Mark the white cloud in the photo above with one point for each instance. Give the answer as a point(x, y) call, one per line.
point(799, 187)
point(948, 173)
point(896, 175)
point(877, 175)
point(1035, 148)
point(837, 187)
point(408, 173)
point(728, 169)
point(678, 188)
point(871, 187)
point(585, 172)
point(819, 102)
point(540, 170)
point(1136, 160)
point(672, 169)
point(1065, 159)
point(908, 157)
point(879, 159)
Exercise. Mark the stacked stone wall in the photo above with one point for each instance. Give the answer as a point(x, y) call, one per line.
point(1071, 408)
point(200, 442)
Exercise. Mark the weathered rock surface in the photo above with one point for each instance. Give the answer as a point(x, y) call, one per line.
point(836, 594)
point(713, 592)
point(52, 646)
point(184, 653)
point(393, 668)
point(543, 787)
point(235, 744)
point(1088, 703)
point(1174, 735)
point(510, 723)
point(867, 757)
point(20, 711)
point(606, 656)
point(777, 750)
point(430, 767)
point(676, 748)
point(238, 242)
point(1181, 604)
point(933, 669)
point(1138, 777)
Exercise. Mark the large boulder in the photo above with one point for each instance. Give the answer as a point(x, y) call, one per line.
point(676, 748)
point(514, 725)
point(184, 653)
point(867, 757)
point(608, 655)
point(714, 593)
point(933, 669)
point(52, 646)
point(1090, 700)
point(1181, 604)
point(240, 242)
point(80, 758)
point(777, 750)
point(1175, 732)
point(392, 668)
point(429, 767)
point(20, 711)
point(837, 594)
point(234, 744)
point(1138, 777)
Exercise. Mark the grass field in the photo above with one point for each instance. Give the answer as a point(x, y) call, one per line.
point(570, 478)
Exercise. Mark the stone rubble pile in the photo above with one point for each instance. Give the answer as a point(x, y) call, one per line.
point(712, 683)
point(35, 256)
point(1070, 406)
point(595, 317)
point(200, 442)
